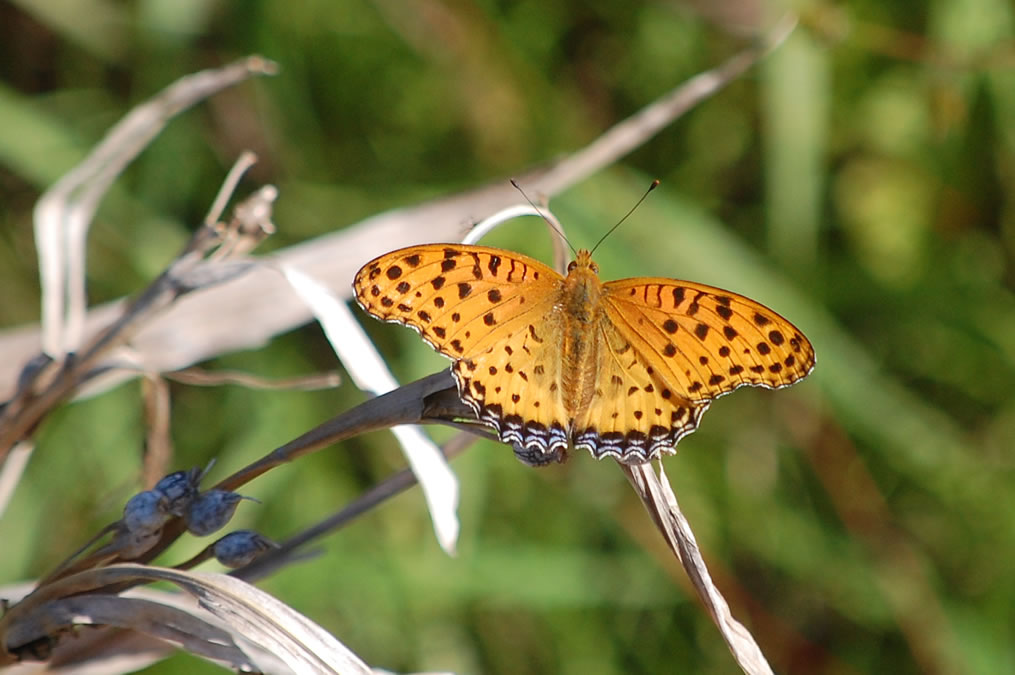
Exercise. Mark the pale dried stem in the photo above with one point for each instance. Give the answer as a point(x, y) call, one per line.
point(216, 378)
point(158, 441)
point(11, 471)
point(240, 167)
point(661, 503)
point(55, 382)
point(64, 213)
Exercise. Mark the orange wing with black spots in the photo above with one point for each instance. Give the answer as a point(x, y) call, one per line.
point(481, 307)
point(704, 341)
point(456, 295)
point(623, 369)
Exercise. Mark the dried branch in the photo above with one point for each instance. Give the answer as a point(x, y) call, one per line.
point(216, 378)
point(42, 388)
point(64, 213)
point(661, 504)
point(158, 441)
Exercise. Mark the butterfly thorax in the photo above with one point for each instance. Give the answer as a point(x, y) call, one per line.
point(582, 290)
point(581, 310)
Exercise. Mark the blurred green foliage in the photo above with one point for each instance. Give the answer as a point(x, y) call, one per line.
point(860, 181)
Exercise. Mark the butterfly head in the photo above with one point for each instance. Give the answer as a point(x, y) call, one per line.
point(583, 261)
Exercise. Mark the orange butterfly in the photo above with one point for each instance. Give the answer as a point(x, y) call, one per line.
point(624, 368)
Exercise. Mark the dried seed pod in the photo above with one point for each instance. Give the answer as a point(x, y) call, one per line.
point(179, 488)
point(241, 547)
point(145, 512)
point(211, 510)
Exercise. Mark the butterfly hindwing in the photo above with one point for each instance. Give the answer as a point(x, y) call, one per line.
point(633, 415)
point(512, 384)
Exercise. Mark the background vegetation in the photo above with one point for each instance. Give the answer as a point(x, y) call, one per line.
point(860, 181)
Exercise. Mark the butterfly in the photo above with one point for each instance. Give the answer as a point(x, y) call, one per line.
point(623, 369)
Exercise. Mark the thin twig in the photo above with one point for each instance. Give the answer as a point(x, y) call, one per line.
point(661, 504)
point(55, 382)
point(158, 439)
point(215, 378)
point(11, 471)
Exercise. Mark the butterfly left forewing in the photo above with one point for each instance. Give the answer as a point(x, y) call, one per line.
point(492, 311)
point(705, 341)
point(453, 294)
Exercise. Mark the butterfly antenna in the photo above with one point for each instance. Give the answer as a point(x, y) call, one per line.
point(554, 226)
point(651, 187)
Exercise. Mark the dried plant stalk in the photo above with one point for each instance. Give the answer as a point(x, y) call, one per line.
point(660, 502)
